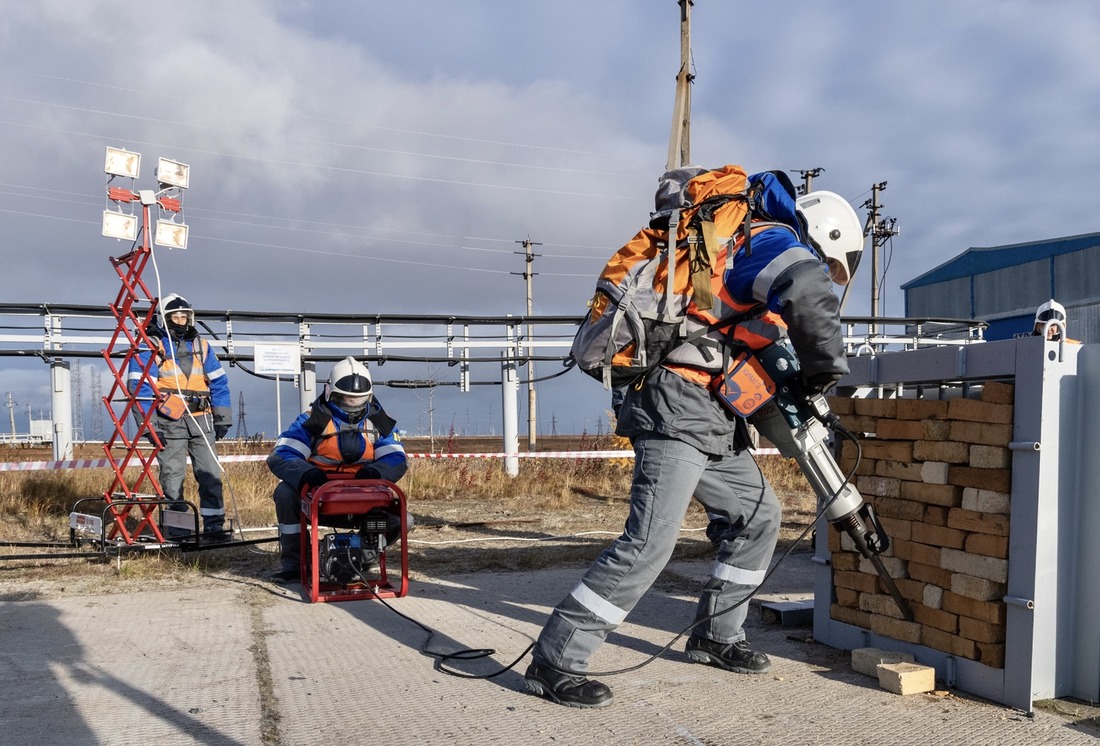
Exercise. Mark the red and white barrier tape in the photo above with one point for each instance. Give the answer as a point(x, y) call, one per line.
point(104, 463)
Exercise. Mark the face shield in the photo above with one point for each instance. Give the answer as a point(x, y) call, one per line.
point(350, 388)
point(351, 404)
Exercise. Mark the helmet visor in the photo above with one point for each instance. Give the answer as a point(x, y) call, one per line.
point(180, 317)
point(350, 403)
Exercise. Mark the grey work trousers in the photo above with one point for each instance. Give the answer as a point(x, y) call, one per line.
point(667, 473)
point(204, 463)
point(288, 511)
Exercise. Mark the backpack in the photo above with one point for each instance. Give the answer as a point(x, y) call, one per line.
point(636, 316)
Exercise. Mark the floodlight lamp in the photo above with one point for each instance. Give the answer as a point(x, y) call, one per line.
point(172, 235)
point(119, 225)
point(173, 173)
point(122, 163)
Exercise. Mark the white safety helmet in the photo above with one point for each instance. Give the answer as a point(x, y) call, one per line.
point(176, 303)
point(834, 230)
point(1052, 310)
point(350, 387)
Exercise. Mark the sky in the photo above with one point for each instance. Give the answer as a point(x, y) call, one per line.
point(378, 157)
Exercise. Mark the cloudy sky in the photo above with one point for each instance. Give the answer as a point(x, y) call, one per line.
point(382, 157)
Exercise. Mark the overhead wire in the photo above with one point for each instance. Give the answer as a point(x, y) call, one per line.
point(207, 437)
point(328, 120)
point(337, 234)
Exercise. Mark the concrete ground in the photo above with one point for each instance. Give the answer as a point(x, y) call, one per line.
point(242, 661)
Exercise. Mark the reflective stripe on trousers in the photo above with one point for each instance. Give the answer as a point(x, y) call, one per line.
point(667, 474)
point(172, 462)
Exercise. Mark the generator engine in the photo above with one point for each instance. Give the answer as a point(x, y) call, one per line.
point(346, 558)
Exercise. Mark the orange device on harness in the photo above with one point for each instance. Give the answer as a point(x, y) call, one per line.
point(745, 386)
point(171, 406)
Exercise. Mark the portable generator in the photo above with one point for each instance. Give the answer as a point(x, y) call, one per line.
point(350, 527)
point(345, 558)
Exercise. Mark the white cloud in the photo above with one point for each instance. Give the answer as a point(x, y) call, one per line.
point(388, 156)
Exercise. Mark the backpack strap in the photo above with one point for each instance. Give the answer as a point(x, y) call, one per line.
point(702, 253)
point(670, 263)
point(699, 334)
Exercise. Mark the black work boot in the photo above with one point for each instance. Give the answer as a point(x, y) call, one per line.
point(566, 689)
point(216, 534)
point(733, 656)
point(290, 565)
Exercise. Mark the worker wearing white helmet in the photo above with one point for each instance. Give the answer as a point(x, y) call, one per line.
point(333, 437)
point(192, 412)
point(834, 230)
point(1051, 317)
point(688, 444)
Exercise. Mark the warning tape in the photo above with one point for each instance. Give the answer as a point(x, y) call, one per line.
point(104, 463)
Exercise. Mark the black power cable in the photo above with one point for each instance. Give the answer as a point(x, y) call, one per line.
point(476, 653)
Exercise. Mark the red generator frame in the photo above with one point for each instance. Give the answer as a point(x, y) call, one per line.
point(340, 501)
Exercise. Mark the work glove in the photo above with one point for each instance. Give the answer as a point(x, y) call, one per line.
point(820, 383)
point(314, 478)
point(220, 431)
point(368, 472)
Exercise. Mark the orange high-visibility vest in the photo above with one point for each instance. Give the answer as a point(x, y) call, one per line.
point(193, 388)
point(328, 454)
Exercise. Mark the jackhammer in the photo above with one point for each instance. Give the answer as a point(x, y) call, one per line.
point(798, 423)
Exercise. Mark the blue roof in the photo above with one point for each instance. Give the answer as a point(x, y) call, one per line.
point(978, 260)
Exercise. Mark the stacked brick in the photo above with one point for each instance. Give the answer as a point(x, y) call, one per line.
point(938, 474)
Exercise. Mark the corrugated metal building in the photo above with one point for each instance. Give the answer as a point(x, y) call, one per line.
point(1003, 285)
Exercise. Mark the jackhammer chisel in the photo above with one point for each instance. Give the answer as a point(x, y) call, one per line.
point(798, 424)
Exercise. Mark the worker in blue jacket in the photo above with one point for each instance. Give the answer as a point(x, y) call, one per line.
point(344, 432)
point(689, 444)
point(189, 390)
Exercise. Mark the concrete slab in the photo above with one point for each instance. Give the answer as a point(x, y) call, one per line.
point(240, 661)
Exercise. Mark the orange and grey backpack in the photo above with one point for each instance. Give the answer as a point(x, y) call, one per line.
point(637, 316)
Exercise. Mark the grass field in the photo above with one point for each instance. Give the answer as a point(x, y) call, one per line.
point(470, 514)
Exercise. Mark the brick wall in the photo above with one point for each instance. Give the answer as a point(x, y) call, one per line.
point(938, 473)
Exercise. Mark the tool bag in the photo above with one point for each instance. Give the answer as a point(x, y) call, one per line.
point(652, 285)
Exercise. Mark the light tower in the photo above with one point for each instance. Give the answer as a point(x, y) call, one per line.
point(134, 308)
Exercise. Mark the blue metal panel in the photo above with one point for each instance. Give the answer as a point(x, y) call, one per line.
point(1012, 289)
point(1009, 327)
point(950, 299)
point(977, 260)
point(1077, 275)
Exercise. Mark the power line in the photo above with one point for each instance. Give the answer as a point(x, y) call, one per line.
point(242, 428)
point(212, 103)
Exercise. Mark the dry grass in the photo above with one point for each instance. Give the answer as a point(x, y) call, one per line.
point(470, 516)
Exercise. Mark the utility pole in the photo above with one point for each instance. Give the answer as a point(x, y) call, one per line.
point(11, 414)
point(679, 143)
point(97, 412)
point(78, 403)
point(808, 175)
point(529, 258)
point(880, 231)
